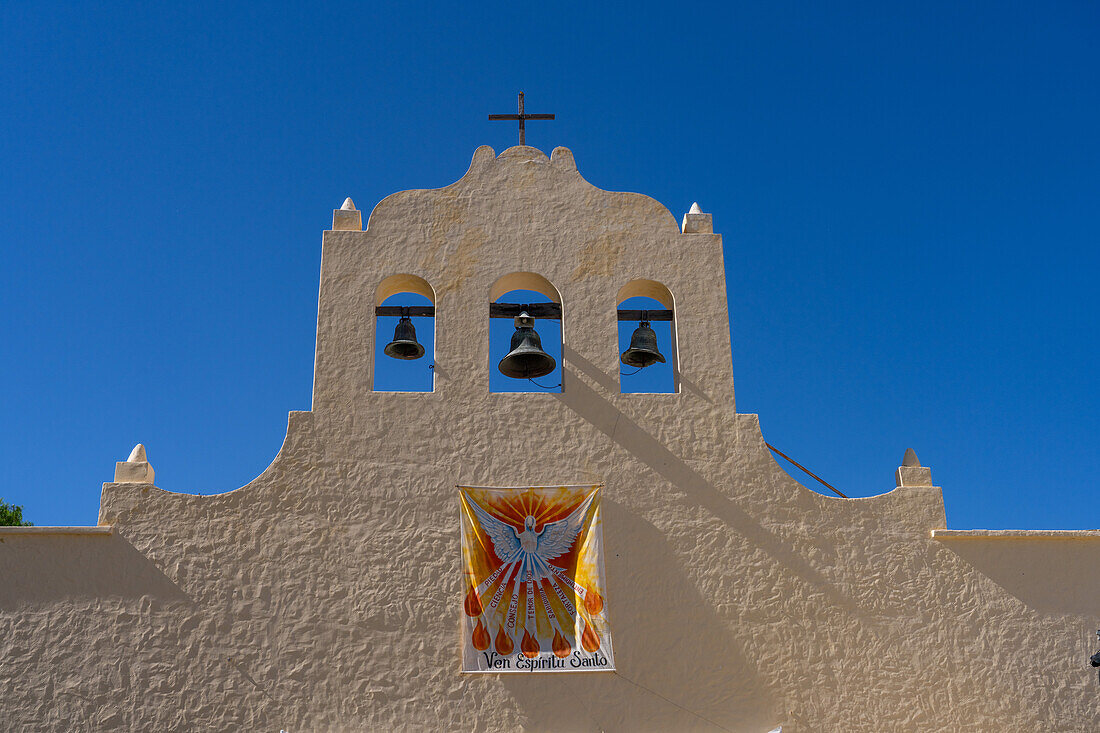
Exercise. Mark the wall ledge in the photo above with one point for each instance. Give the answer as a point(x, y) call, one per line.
point(4, 531)
point(1038, 534)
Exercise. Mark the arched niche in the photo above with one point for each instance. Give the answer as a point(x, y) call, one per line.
point(649, 295)
point(524, 281)
point(401, 375)
point(524, 288)
point(396, 284)
point(642, 288)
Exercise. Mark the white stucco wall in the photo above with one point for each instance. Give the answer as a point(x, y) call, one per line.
point(326, 594)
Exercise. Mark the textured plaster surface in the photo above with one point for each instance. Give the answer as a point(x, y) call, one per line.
point(327, 593)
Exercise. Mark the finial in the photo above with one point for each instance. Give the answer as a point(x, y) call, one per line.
point(135, 469)
point(696, 222)
point(347, 217)
point(911, 473)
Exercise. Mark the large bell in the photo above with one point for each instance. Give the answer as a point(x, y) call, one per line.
point(643, 348)
point(526, 360)
point(404, 344)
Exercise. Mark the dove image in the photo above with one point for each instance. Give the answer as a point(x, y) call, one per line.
point(524, 550)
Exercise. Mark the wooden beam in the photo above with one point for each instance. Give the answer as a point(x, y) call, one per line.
point(421, 311)
point(535, 310)
point(633, 315)
point(511, 310)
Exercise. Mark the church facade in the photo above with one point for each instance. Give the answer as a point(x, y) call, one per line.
point(328, 593)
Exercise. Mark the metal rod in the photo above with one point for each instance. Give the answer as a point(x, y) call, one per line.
point(823, 481)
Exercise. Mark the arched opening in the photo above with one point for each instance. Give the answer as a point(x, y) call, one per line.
point(647, 304)
point(404, 358)
point(534, 294)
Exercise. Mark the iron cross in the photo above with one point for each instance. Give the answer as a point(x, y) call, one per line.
point(522, 119)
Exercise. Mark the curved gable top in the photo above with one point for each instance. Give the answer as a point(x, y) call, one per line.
point(522, 177)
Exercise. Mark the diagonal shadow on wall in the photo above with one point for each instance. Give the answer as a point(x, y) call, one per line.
point(1048, 575)
point(48, 568)
point(623, 431)
point(666, 638)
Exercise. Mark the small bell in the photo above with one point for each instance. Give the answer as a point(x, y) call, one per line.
point(643, 348)
point(526, 360)
point(404, 344)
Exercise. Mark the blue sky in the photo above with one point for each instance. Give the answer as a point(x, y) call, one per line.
point(908, 194)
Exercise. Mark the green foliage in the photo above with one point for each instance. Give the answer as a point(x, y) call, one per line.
point(12, 515)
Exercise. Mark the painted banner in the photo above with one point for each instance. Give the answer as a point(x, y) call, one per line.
point(532, 559)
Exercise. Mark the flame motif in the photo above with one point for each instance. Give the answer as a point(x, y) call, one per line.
point(529, 645)
point(593, 602)
point(481, 637)
point(542, 587)
point(473, 603)
point(589, 640)
point(561, 646)
point(504, 645)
